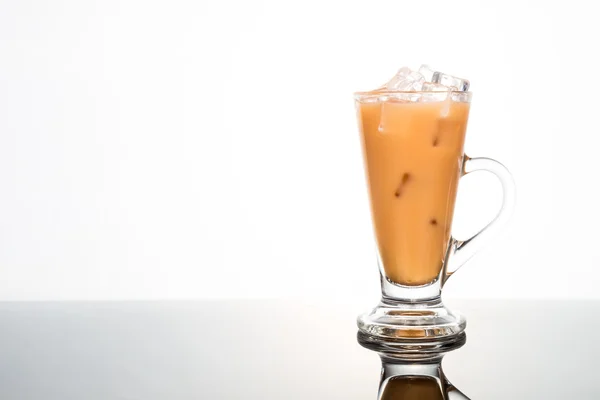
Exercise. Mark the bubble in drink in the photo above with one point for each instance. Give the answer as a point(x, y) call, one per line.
point(460, 84)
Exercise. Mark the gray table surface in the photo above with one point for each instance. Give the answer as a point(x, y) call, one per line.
point(280, 350)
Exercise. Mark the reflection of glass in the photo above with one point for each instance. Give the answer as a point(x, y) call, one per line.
point(416, 382)
point(415, 375)
point(413, 153)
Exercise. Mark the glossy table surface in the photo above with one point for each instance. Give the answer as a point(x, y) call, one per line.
point(259, 349)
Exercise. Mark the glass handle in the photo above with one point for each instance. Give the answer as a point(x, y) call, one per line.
point(462, 250)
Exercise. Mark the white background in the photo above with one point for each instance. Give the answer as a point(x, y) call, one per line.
point(189, 149)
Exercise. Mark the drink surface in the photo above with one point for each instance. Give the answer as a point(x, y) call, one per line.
point(413, 158)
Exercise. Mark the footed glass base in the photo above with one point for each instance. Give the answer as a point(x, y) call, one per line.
point(422, 321)
point(396, 350)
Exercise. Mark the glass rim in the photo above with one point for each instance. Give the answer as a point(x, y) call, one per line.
point(384, 92)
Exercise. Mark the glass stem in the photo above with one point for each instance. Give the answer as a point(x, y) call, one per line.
point(394, 294)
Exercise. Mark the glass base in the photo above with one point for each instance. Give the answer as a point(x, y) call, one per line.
point(400, 350)
point(408, 321)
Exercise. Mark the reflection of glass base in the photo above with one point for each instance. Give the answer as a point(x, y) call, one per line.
point(412, 322)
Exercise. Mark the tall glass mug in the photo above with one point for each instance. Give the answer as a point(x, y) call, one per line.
point(413, 153)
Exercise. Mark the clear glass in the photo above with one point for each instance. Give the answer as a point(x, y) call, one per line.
point(413, 153)
point(418, 377)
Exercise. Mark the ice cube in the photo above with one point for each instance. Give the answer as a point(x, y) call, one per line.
point(445, 111)
point(435, 87)
point(437, 91)
point(427, 72)
point(399, 77)
point(406, 80)
point(460, 84)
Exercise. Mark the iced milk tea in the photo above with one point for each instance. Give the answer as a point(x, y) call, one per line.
point(413, 154)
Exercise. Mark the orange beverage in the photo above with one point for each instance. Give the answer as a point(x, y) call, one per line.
point(413, 154)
